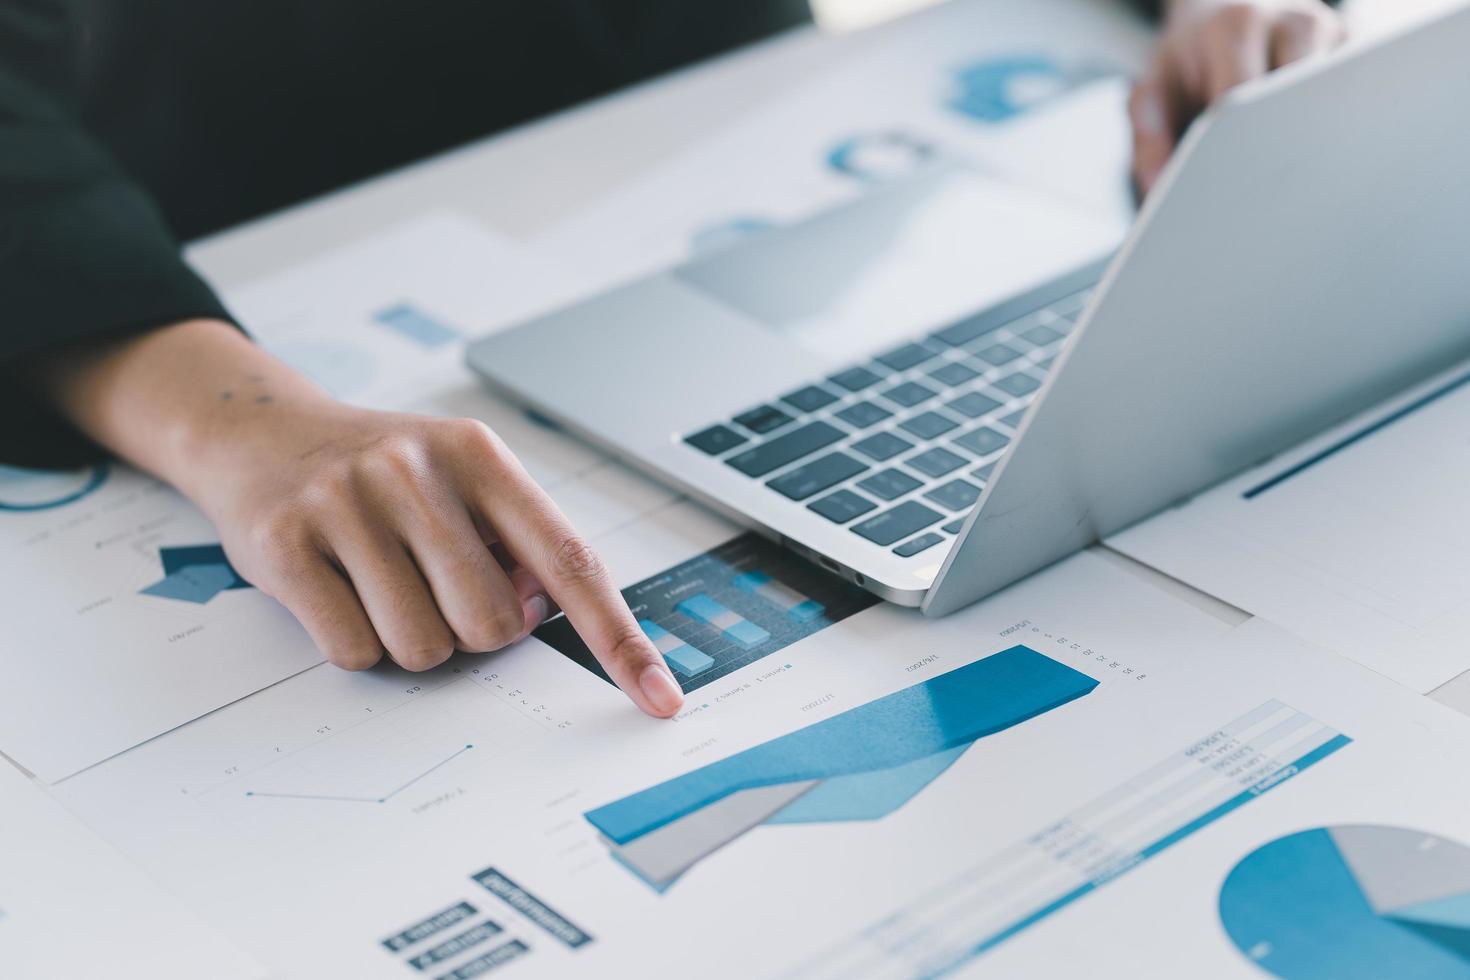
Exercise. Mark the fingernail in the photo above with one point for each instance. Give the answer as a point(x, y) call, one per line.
point(660, 689)
point(537, 609)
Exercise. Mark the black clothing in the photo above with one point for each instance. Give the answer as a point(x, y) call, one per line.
point(129, 125)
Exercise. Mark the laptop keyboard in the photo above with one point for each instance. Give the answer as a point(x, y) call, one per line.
point(899, 447)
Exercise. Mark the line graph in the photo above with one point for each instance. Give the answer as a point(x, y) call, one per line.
point(362, 799)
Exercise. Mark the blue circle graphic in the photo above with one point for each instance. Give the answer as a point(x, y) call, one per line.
point(1348, 902)
point(24, 490)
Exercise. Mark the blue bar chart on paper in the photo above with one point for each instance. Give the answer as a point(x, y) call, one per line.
point(726, 608)
point(859, 765)
point(1022, 884)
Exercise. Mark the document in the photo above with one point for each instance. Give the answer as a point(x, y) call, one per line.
point(118, 627)
point(71, 907)
point(1031, 92)
point(1081, 769)
point(1357, 540)
point(123, 616)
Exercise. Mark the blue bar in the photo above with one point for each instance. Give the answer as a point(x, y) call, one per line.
point(942, 713)
point(684, 658)
point(706, 610)
point(800, 608)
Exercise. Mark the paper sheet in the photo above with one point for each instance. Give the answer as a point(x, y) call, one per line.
point(338, 814)
point(70, 906)
point(119, 627)
point(1356, 540)
point(1029, 90)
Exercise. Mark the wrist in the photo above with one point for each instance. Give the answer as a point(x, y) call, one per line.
point(173, 399)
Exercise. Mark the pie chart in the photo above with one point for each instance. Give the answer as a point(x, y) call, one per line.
point(1338, 903)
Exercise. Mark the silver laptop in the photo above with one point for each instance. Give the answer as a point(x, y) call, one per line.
point(1306, 254)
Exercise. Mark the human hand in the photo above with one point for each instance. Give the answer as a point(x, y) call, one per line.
point(379, 531)
point(1207, 48)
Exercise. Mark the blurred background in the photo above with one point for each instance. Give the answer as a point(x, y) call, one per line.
point(852, 14)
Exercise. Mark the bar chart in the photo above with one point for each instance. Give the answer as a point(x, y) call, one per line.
point(724, 609)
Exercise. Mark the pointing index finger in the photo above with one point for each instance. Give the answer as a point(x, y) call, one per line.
point(537, 535)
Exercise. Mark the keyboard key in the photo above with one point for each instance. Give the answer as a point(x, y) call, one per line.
point(1071, 307)
point(982, 473)
point(856, 379)
point(982, 441)
point(816, 476)
point(905, 357)
point(997, 354)
point(776, 453)
point(957, 525)
point(928, 425)
point(889, 484)
point(842, 506)
point(1041, 336)
point(1046, 364)
point(860, 415)
point(936, 462)
point(922, 543)
point(953, 374)
point(809, 399)
point(955, 495)
point(973, 405)
point(883, 445)
point(1014, 419)
point(763, 419)
point(893, 525)
point(715, 440)
point(1018, 384)
point(967, 330)
point(909, 394)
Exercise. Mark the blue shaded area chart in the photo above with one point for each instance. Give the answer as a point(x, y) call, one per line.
point(724, 609)
point(196, 574)
point(382, 798)
point(952, 710)
point(26, 490)
point(1360, 901)
point(868, 795)
point(860, 765)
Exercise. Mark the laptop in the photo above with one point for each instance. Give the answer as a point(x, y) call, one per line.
point(852, 387)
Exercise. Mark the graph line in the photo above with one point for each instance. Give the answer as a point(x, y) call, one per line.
point(363, 799)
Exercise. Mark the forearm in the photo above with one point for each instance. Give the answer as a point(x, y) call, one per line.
point(164, 399)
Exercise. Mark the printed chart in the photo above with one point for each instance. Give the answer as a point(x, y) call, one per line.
point(859, 765)
point(726, 608)
point(30, 490)
point(1061, 863)
point(1353, 901)
point(194, 574)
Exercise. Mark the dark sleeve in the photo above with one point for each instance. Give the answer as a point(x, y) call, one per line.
point(84, 253)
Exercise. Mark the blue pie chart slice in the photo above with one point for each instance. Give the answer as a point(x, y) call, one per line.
point(1359, 901)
